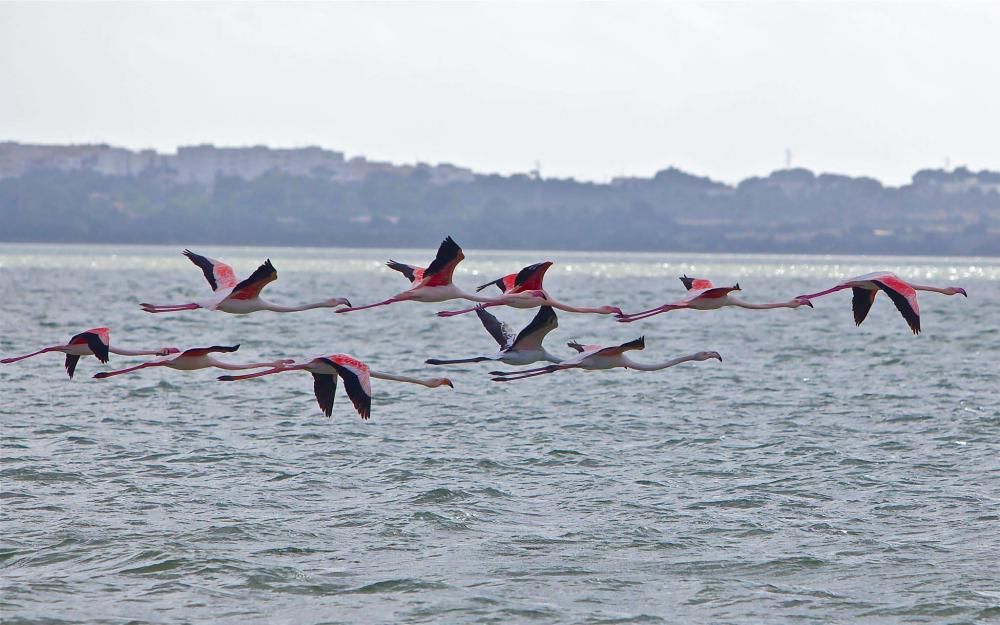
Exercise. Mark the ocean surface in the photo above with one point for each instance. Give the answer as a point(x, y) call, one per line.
point(822, 473)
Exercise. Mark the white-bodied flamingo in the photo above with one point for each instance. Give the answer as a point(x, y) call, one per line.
point(522, 349)
point(95, 342)
point(596, 357)
point(902, 293)
point(524, 290)
point(433, 284)
point(239, 298)
point(703, 295)
point(356, 375)
point(194, 359)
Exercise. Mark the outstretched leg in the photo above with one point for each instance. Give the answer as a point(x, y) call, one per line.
point(435, 361)
point(108, 374)
point(7, 361)
point(647, 313)
point(391, 300)
point(520, 375)
point(452, 313)
point(156, 308)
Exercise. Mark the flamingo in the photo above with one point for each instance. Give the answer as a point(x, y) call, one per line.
point(527, 284)
point(194, 359)
point(239, 298)
point(523, 349)
point(595, 357)
point(95, 342)
point(356, 375)
point(902, 294)
point(703, 295)
point(433, 284)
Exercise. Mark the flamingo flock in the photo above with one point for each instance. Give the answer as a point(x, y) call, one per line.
point(433, 284)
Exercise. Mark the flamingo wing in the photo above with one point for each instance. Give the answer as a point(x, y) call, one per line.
point(204, 351)
point(219, 274)
point(71, 361)
point(412, 273)
point(252, 286)
point(325, 387)
point(904, 297)
point(530, 278)
point(505, 283)
point(862, 303)
point(618, 350)
point(534, 333)
point(499, 331)
point(440, 272)
point(696, 283)
point(357, 381)
point(712, 293)
point(96, 340)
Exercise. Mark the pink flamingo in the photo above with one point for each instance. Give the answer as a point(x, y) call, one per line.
point(433, 284)
point(703, 295)
point(239, 298)
point(356, 375)
point(95, 342)
point(597, 357)
point(193, 359)
point(524, 290)
point(902, 294)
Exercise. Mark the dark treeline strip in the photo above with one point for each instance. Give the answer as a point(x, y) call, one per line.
point(940, 213)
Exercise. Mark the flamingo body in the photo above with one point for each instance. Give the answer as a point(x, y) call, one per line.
point(703, 295)
point(94, 342)
point(238, 298)
point(597, 357)
point(521, 349)
point(902, 293)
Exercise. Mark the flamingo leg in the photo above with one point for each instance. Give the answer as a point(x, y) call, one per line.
point(522, 371)
point(391, 300)
point(108, 374)
point(247, 376)
point(435, 361)
point(647, 313)
point(7, 361)
point(452, 313)
point(154, 308)
point(523, 375)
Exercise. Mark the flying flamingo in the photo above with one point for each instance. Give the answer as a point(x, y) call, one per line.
point(95, 342)
point(433, 284)
point(356, 375)
point(595, 357)
point(239, 298)
point(703, 295)
point(523, 349)
point(526, 285)
point(902, 294)
point(193, 359)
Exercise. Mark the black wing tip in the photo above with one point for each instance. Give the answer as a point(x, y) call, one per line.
point(686, 281)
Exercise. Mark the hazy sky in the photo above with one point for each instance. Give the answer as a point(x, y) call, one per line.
point(590, 90)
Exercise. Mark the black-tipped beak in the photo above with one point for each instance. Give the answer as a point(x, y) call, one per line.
point(448, 383)
point(806, 302)
point(348, 302)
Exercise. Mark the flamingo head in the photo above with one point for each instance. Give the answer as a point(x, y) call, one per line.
point(434, 383)
point(708, 356)
point(955, 290)
point(802, 301)
point(337, 301)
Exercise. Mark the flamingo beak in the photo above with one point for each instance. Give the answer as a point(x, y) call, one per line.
point(717, 355)
point(806, 302)
point(447, 382)
point(962, 291)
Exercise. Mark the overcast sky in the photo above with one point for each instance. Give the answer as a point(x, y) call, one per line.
point(589, 90)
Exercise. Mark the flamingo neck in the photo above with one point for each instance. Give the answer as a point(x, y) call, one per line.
point(655, 366)
point(231, 367)
point(936, 289)
point(401, 378)
point(133, 352)
point(732, 301)
point(290, 309)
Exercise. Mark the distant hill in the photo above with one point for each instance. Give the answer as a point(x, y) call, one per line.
point(316, 197)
